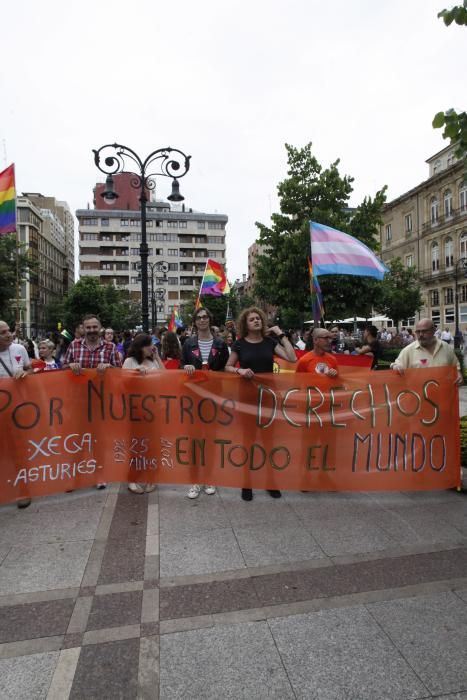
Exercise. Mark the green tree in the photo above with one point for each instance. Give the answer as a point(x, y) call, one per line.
point(311, 192)
point(14, 266)
point(113, 306)
point(454, 123)
point(216, 305)
point(400, 292)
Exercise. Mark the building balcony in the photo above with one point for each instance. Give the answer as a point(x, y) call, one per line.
point(457, 216)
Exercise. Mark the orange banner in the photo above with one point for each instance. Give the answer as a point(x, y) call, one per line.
point(361, 431)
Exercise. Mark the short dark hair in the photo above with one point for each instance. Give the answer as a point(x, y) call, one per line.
point(88, 317)
point(198, 311)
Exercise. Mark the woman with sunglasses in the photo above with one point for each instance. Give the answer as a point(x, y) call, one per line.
point(202, 350)
point(254, 351)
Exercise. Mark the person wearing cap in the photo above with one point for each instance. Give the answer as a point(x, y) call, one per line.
point(320, 359)
point(203, 350)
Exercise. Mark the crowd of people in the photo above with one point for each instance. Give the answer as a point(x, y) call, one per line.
point(246, 348)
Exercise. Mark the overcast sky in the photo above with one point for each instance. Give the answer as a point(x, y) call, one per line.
point(228, 83)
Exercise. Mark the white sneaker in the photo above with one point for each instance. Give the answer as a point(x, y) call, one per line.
point(194, 491)
point(209, 490)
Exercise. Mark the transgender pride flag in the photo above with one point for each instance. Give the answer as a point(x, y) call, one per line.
point(337, 253)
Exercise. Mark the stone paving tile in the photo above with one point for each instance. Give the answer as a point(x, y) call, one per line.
point(345, 535)
point(232, 661)
point(115, 610)
point(27, 677)
point(26, 528)
point(107, 672)
point(430, 523)
point(272, 544)
point(199, 553)
point(149, 629)
point(44, 567)
point(82, 499)
point(431, 633)
point(262, 509)
point(342, 654)
point(71, 641)
point(327, 506)
point(130, 516)
point(377, 574)
point(30, 621)
point(3, 552)
point(207, 598)
point(123, 560)
point(180, 514)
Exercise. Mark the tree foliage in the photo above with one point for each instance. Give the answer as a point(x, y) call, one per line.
point(400, 295)
point(112, 305)
point(454, 123)
point(313, 193)
point(14, 262)
point(216, 305)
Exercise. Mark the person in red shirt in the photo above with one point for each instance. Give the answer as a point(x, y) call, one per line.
point(320, 359)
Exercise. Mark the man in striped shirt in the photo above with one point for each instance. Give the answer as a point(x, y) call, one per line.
point(91, 351)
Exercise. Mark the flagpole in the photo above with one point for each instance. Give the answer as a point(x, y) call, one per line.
point(17, 313)
point(198, 302)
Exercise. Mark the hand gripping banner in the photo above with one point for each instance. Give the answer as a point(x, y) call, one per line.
point(361, 431)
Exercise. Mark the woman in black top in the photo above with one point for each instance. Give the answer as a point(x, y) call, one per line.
point(254, 350)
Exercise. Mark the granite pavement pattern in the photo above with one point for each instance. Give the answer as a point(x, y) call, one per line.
point(107, 594)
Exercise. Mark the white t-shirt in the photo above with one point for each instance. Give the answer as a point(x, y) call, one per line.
point(15, 358)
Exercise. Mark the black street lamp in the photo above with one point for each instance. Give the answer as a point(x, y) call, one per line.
point(170, 162)
point(461, 264)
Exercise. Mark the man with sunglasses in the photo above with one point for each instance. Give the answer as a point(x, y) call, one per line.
point(203, 350)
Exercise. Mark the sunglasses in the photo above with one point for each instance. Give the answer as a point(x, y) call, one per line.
point(201, 316)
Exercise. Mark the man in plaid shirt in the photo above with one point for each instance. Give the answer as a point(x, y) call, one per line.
point(91, 351)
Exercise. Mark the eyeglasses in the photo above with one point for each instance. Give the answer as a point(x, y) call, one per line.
point(201, 317)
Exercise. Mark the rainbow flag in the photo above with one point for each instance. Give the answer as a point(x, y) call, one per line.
point(7, 200)
point(317, 307)
point(337, 253)
point(175, 321)
point(214, 280)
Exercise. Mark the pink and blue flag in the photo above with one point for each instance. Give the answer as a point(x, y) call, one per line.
point(337, 253)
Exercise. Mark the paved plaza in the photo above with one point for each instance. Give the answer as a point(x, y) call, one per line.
point(107, 594)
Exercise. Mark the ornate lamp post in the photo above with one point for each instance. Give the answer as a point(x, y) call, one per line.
point(461, 264)
point(168, 162)
point(161, 266)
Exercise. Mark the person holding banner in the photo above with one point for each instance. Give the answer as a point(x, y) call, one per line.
point(254, 351)
point(320, 359)
point(203, 351)
point(427, 351)
point(144, 357)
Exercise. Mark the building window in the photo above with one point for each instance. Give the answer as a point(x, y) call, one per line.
point(88, 221)
point(448, 203)
point(172, 224)
point(106, 266)
point(93, 237)
point(134, 251)
point(434, 297)
point(182, 224)
point(388, 232)
point(201, 224)
point(105, 222)
point(435, 317)
point(408, 223)
point(463, 292)
point(200, 239)
point(217, 240)
point(449, 315)
point(409, 260)
point(172, 281)
point(106, 237)
point(135, 236)
point(463, 314)
point(135, 280)
point(435, 257)
point(173, 252)
point(215, 253)
point(463, 198)
point(434, 210)
point(449, 253)
point(124, 222)
point(215, 225)
point(448, 295)
point(135, 222)
point(173, 267)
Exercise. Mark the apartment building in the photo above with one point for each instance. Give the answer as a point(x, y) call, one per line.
point(426, 228)
point(45, 239)
point(109, 239)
